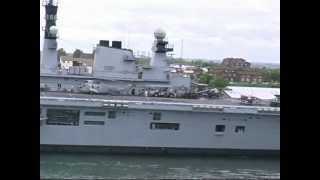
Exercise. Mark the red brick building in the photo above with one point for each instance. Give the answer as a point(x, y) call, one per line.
point(236, 70)
point(236, 63)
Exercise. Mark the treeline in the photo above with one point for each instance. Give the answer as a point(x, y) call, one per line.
point(214, 81)
point(76, 53)
point(143, 61)
point(271, 75)
point(198, 63)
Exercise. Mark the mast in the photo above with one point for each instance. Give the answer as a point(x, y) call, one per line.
point(49, 58)
point(160, 49)
point(51, 7)
point(159, 61)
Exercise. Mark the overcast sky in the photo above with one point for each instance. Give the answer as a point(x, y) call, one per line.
point(210, 29)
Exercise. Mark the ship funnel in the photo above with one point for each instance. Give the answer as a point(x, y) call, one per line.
point(104, 43)
point(117, 44)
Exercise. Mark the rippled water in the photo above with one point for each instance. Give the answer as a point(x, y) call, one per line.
point(95, 166)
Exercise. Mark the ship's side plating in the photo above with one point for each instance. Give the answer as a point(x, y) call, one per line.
point(123, 125)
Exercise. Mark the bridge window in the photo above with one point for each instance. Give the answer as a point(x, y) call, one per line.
point(112, 114)
point(63, 117)
point(240, 129)
point(91, 113)
point(220, 128)
point(171, 126)
point(157, 116)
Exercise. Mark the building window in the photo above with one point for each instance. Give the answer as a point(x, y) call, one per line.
point(111, 114)
point(170, 126)
point(63, 117)
point(94, 122)
point(220, 128)
point(91, 113)
point(157, 116)
point(239, 129)
point(140, 75)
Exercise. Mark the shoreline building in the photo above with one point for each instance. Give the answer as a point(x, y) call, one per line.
point(236, 70)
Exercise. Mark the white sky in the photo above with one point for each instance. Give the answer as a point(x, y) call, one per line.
point(210, 29)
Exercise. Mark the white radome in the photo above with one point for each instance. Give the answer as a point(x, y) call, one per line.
point(160, 34)
point(53, 30)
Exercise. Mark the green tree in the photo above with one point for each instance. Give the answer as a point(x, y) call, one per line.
point(143, 61)
point(271, 75)
point(214, 81)
point(77, 53)
point(205, 78)
point(61, 52)
point(275, 75)
point(218, 82)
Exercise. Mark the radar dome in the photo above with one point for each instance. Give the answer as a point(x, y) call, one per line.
point(53, 30)
point(160, 34)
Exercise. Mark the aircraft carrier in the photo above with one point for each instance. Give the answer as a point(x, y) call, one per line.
point(114, 109)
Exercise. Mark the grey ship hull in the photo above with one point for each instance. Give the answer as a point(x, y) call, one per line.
point(157, 150)
point(130, 131)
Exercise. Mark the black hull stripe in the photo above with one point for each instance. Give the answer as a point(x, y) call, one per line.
point(156, 150)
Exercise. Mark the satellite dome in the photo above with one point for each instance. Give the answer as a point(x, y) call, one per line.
point(53, 30)
point(160, 34)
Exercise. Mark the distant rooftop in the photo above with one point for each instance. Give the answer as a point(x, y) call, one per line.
point(258, 92)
